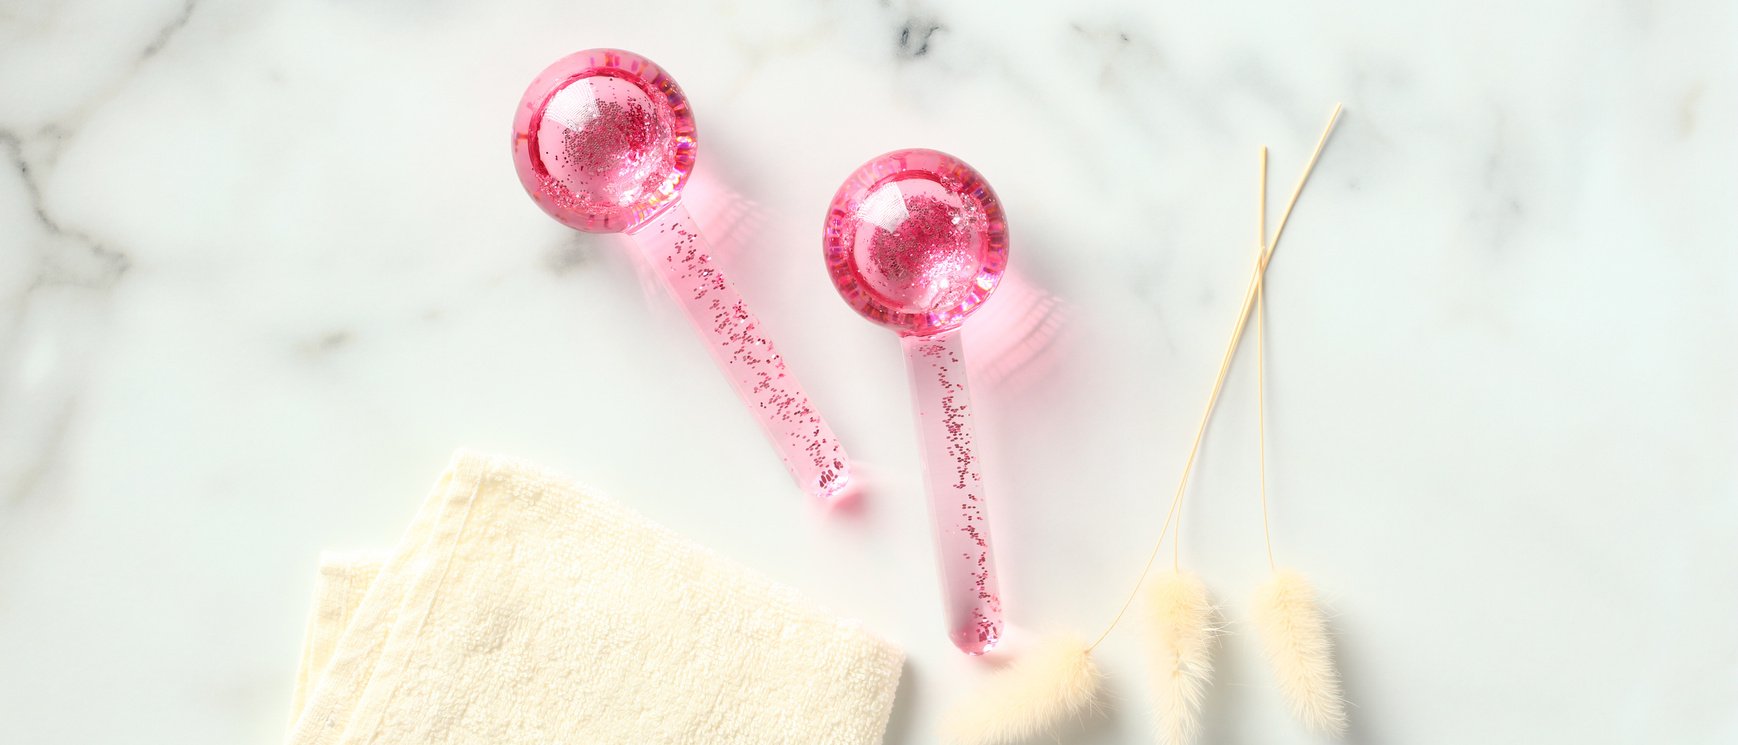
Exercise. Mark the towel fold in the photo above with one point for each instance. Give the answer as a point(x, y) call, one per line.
point(344, 580)
point(520, 609)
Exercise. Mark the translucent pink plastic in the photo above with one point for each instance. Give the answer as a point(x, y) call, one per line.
point(603, 141)
point(916, 240)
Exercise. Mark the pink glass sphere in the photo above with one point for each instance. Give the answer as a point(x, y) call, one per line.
point(916, 240)
point(603, 140)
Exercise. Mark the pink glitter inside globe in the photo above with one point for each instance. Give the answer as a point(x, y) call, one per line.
point(603, 140)
point(915, 240)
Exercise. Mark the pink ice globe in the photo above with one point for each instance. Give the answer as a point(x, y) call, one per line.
point(916, 240)
point(603, 140)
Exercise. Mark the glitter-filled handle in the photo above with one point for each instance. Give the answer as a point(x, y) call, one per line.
point(956, 491)
point(673, 245)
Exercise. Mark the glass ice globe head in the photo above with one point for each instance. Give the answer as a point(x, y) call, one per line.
point(603, 140)
point(916, 240)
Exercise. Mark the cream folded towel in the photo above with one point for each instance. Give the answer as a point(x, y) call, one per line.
point(520, 609)
point(343, 582)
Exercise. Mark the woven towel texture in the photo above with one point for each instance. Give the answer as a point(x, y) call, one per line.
point(521, 609)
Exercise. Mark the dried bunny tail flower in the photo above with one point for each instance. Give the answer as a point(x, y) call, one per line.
point(1054, 681)
point(1180, 630)
point(1300, 652)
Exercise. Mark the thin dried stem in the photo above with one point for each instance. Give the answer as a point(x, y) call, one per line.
point(1243, 314)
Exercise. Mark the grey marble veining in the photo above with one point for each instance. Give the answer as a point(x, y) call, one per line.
point(263, 265)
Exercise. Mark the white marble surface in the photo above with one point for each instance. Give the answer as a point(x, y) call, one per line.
point(263, 265)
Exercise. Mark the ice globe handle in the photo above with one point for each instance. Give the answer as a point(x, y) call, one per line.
point(672, 244)
point(956, 491)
